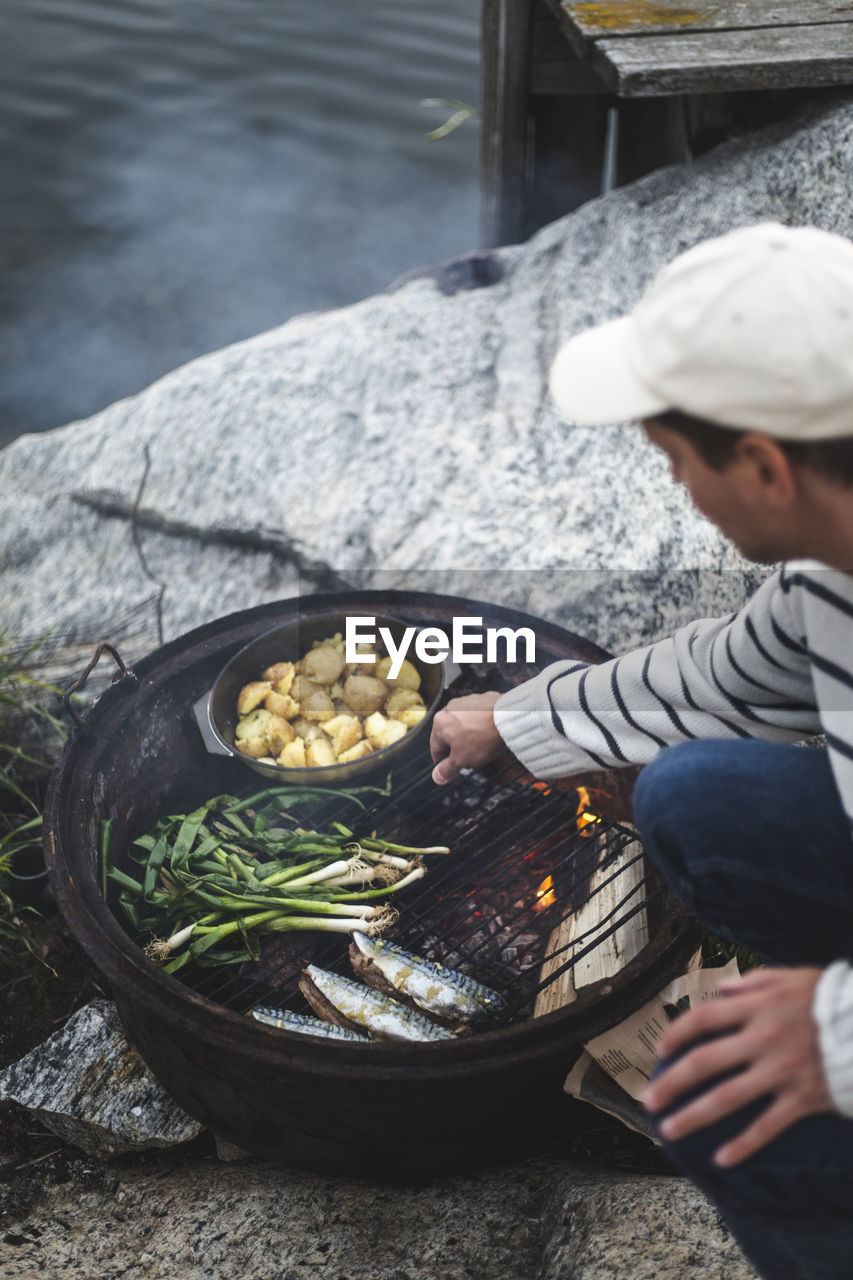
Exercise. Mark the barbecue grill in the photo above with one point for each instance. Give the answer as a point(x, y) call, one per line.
point(520, 864)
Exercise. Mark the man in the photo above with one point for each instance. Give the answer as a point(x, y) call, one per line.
point(739, 364)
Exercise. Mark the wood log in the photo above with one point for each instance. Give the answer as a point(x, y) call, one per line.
point(614, 882)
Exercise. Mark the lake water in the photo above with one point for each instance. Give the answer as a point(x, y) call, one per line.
point(180, 174)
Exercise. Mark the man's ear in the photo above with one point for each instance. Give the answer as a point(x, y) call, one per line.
point(769, 467)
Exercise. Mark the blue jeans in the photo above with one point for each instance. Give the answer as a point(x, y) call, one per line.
point(753, 838)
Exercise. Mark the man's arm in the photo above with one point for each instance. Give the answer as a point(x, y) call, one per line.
point(742, 676)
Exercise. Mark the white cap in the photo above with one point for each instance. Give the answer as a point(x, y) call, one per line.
point(751, 330)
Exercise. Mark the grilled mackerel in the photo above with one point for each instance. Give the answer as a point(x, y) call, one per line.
point(305, 1024)
point(346, 1003)
point(447, 996)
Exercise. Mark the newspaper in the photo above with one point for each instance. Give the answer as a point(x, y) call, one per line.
point(589, 1083)
point(624, 1058)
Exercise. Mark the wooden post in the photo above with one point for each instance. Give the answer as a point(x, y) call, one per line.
point(506, 142)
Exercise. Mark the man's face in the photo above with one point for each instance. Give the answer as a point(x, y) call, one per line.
point(733, 499)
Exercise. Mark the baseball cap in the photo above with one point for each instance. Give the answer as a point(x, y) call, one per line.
point(753, 329)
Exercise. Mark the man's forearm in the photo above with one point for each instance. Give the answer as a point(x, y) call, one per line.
point(709, 680)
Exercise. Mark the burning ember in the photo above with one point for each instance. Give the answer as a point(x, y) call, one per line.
point(585, 820)
point(545, 895)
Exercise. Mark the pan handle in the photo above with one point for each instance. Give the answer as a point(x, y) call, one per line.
point(204, 720)
point(452, 672)
point(126, 673)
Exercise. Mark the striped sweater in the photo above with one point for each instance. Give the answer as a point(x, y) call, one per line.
point(780, 669)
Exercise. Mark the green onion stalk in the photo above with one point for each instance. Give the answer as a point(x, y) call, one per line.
point(213, 882)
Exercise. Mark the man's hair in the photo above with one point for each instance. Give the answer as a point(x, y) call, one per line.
point(716, 446)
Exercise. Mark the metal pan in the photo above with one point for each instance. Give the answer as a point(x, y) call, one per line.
point(216, 711)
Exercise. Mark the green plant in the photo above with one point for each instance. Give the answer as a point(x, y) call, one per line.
point(24, 716)
point(716, 951)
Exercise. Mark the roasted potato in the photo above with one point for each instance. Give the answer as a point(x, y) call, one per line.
point(323, 665)
point(344, 730)
point(360, 749)
point(279, 733)
point(302, 686)
point(408, 677)
point(319, 753)
point(366, 664)
point(254, 725)
point(364, 694)
point(398, 700)
point(281, 675)
point(252, 695)
point(410, 716)
point(256, 748)
point(381, 732)
point(281, 704)
point(333, 642)
point(293, 755)
point(306, 730)
point(317, 706)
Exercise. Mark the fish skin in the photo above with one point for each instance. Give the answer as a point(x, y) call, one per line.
point(304, 1024)
point(441, 992)
point(361, 1006)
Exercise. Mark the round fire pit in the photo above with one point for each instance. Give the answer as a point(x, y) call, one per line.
point(373, 1108)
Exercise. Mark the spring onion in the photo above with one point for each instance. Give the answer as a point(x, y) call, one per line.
point(214, 881)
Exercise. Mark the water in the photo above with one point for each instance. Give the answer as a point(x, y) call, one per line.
point(178, 174)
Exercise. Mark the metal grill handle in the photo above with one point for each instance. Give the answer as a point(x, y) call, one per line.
point(126, 672)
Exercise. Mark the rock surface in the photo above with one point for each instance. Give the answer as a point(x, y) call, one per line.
point(411, 432)
point(541, 1220)
point(89, 1086)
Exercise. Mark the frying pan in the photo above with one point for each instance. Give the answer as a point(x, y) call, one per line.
point(216, 710)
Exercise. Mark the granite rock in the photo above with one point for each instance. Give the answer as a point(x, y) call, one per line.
point(539, 1220)
point(608, 1227)
point(89, 1086)
point(411, 435)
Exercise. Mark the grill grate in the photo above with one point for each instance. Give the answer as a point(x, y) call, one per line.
point(518, 867)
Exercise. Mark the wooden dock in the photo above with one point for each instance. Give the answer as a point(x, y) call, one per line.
point(580, 94)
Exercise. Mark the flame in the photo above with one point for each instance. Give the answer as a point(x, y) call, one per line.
point(545, 897)
point(585, 820)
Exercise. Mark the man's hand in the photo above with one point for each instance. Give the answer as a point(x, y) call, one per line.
point(769, 1037)
point(464, 735)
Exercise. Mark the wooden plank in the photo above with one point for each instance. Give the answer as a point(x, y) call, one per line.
point(614, 889)
point(727, 61)
point(505, 133)
point(597, 19)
